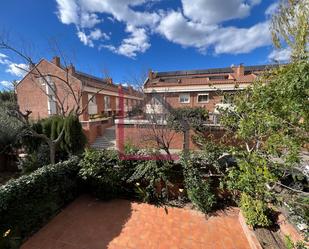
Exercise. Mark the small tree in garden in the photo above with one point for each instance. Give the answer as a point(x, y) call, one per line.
point(184, 119)
point(72, 142)
point(198, 188)
point(272, 119)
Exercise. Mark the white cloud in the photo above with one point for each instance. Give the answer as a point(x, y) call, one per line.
point(176, 28)
point(18, 70)
point(15, 69)
point(82, 13)
point(281, 55)
point(216, 11)
point(94, 35)
point(3, 59)
point(121, 10)
point(98, 34)
point(136, 42)
point(241, 40)
point(68, 11)
point(6, 83)
point(198, 24)
point(272, 9)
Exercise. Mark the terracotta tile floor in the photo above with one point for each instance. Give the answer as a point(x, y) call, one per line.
point(121, 224)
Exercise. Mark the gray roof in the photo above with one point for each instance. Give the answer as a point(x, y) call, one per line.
point(102, 81)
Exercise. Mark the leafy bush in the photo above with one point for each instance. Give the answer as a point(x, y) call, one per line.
point(154, 179)
point(104, 174)
point(29, 201)
point(107, 176)
point(199, 190)
point(35, 160)
point(251, 176)
point(256, 212)
point(10, 127)
point(291, 245)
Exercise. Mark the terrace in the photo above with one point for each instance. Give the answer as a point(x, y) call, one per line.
point(123, 224)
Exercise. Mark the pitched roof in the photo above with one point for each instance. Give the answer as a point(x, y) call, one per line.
point(106, 83)
point(248, 69)
point(227, 75)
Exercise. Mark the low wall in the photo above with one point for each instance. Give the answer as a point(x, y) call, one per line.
point(287, 229)
point(95, 128)
point(142, 135)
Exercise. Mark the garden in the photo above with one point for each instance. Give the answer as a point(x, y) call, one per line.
point(265, 174)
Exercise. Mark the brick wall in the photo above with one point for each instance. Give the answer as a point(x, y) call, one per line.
point(31, 93)
point(173, 100)
point(144, 137)
point(94, 129)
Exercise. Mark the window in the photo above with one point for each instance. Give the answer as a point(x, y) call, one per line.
point(50, 91)
point(52, 105)
point(203, 98)
point(92, 99)
point(184, 98)
point(117, 103)
point(92, 106)
point(107, 102)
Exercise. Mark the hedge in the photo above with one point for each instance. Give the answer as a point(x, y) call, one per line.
point(31, 200)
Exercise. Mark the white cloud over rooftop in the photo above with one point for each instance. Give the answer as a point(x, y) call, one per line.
point(199, 24)
point(15, 69)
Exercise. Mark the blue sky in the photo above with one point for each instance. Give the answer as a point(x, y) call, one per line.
point(127, 37)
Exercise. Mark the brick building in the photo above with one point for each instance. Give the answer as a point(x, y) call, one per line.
point(99, 98)
point(209, 88)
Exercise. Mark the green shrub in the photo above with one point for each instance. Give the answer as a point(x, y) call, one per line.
point(35, 160)
point(200, 194)
point(104, 174)
point(153, 178)
point(256, 212)
point(199, 190)
point(73, 139)
point(29, 201)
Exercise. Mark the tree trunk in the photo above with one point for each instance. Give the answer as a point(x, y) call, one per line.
point(52, 152)
point(186, 141)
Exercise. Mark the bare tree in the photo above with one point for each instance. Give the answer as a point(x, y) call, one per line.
point(155, 111)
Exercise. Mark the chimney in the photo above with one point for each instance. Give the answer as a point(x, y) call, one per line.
point(109, 80)
point(130, 89)
point(71, 69)
point(239, 70)
point(56, 61)
point(150, 74)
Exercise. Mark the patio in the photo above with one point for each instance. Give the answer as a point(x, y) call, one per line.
point(90, 224)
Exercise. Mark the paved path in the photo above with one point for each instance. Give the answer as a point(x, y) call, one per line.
point(121, 224)
point(107, 141)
